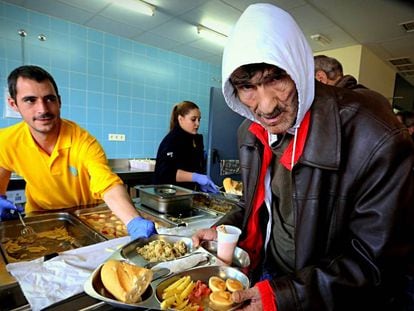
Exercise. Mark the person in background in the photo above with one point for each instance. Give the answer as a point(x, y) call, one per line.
point(327, 212)
point(180, 157)
point(62, 164)
point(328, 70)
point(408, 121)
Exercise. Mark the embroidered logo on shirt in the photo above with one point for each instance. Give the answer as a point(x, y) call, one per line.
point(170, 154)
point(73, 170)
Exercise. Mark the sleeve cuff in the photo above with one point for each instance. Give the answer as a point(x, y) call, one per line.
point(267, 295)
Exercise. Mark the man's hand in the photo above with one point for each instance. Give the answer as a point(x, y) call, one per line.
point(140, 227)
point(204, 234)
point(251, 296)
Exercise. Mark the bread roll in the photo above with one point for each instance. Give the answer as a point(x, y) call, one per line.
point(216, 284)
point(232, 186)
point(233, 285)
point(220, 300)
point(124, 281)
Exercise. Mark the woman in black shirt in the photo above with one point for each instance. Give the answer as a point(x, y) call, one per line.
point(180, 156)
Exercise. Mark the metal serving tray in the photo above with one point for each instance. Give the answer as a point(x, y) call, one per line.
point(152, 296)
point(203, 274)
point(129, 251)
point(82, 235)
point(169, 199)
point(104, 221)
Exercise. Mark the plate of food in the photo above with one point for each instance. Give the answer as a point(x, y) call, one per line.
point(122, 284)
point(208, 287)
point(157, 248)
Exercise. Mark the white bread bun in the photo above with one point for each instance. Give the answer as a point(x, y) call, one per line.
point(124, 281)
point(232, 186)
point(220, 300)
point(216, 284)
point(233, 285)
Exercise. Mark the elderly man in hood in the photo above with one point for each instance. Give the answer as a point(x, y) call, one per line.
point(327, 210)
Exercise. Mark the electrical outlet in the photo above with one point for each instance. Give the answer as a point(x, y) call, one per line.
point(116, 137)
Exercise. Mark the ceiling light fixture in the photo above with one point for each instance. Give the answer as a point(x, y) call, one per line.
point(211, 35)
point(320, 39)
point(137, 6)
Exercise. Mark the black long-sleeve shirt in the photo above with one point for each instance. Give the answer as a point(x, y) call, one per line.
point(179, 150)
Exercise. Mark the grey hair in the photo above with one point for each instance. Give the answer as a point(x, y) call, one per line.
point(331, 66)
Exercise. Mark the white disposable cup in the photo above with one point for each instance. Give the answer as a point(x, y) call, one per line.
point(226, 243)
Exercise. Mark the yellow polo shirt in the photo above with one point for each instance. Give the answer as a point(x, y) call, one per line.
point(76, 173)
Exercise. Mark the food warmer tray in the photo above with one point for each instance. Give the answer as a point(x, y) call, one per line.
point(82, 235)
point(129, 251)
point(102, 220)
point(152, 296)
point(169, 199)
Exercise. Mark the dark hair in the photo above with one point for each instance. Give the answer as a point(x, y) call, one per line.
point(243, 74)
point(181, 109)
point(329, 65)
point(30, 72)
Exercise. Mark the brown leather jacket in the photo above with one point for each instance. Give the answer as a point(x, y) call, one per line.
point(353, 198)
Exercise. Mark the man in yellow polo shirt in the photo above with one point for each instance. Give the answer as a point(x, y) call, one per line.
point(62, 164)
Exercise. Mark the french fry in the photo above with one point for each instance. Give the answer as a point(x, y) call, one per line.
point(167, 303)
point(170, 293)
point(184, 294)
point(191, 308)
point(175, 284)
point(184, 284)
point(182, 305)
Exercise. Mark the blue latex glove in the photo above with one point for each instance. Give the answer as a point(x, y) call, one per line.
point(140, 227)
point(206, 184)
point(7, 209)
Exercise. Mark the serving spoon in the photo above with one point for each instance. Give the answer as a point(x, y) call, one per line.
point(27, 230)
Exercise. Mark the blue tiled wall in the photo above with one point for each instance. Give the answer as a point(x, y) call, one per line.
point(108, 84)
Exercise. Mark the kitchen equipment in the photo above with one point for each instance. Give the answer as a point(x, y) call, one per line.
point(129, 251)
point(166, 198)
point(213, 203)
point(26, 230)
point(104, 221)
point(23, 249)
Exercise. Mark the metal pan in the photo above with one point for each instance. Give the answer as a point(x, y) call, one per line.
point(129, 251)
point(166, 199)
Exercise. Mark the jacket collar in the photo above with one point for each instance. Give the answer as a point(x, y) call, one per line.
point(323, 145)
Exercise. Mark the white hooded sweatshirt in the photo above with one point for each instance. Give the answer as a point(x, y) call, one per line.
point(266, 34)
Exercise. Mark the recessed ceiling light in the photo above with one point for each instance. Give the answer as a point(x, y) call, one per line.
point(211, 35)
point(408, 26)
point(137, 6)
point(320, 39)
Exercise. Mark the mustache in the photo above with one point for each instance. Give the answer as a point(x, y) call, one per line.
point(45, 116)
point(276, 112)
